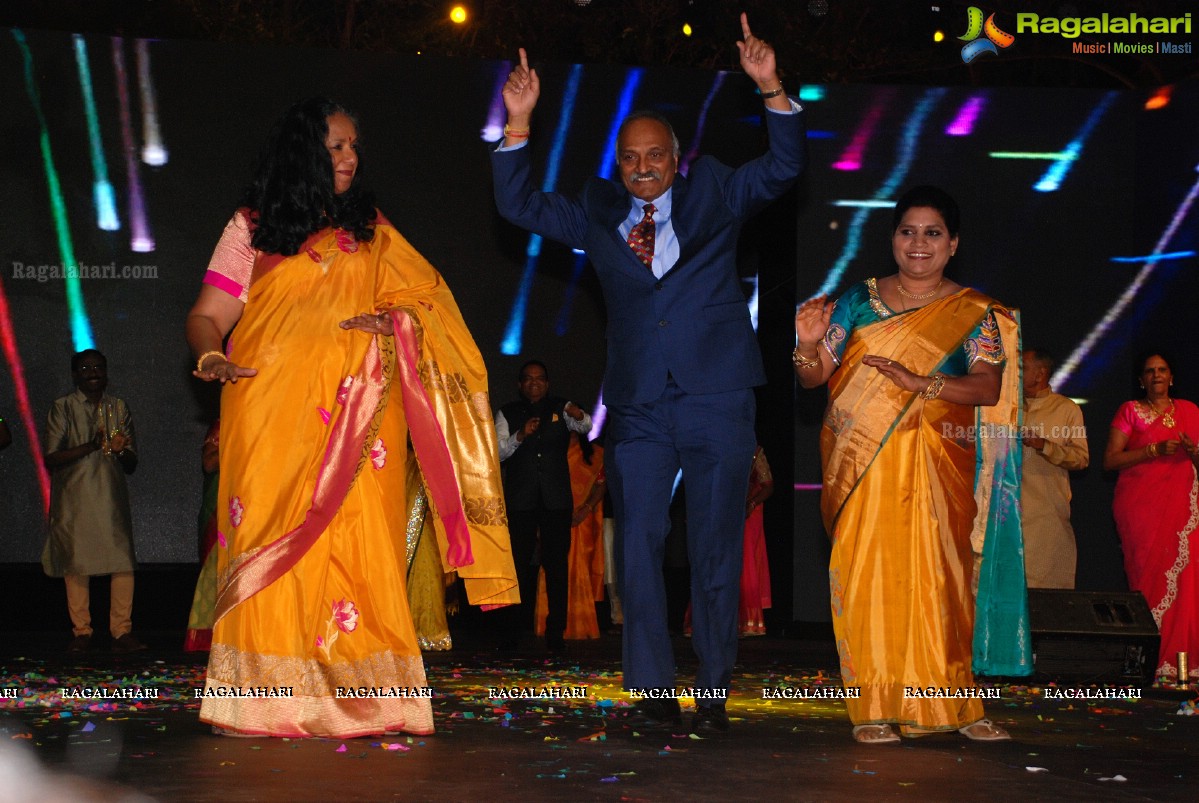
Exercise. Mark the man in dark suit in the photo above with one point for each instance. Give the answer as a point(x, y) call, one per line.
point(682, 361)
point(534, 435)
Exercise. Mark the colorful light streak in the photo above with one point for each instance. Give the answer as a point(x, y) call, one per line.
point(851, 157)
point(1158, 257)
point(514, 334)
point(8, 343)
point(1056, 174)
point(154, 153)
point(493, 129)
point(606, 165)
point(906, 147)
point(1067, 369)
point(865, 204)
point(81, 328)
point(102, 194)
point(811, 93)
point(1056, 156)
point(141, 240)
point(701, 123)
point(967, 116)
point(1160, 98)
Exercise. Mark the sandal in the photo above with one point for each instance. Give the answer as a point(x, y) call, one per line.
point(874, 734)
point(984, 731)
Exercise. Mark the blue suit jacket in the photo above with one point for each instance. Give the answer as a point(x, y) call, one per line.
point(693, 323)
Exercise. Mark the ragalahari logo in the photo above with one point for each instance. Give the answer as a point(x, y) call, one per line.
point(975, 27)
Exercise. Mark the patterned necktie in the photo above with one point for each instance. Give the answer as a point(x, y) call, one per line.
point(641, 237)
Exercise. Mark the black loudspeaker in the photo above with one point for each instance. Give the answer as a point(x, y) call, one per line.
point(1106, 637)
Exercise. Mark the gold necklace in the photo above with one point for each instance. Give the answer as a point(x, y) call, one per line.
point(1167, 416)
point(903, 291)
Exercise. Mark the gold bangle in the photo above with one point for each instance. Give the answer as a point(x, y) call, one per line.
point(515, 133)
point(1151, 449)
point(804, 362)
point(934, 388)
point(205, 356)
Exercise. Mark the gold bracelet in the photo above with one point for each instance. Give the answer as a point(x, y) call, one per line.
point(1151, 449)
point(774, 93)
point(205, 356)
point(804, 362)
point(515, 133)
point(934, 388)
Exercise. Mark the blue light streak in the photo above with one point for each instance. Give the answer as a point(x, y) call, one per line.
point(514, 334)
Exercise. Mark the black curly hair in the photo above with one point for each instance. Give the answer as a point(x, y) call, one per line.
point(292, 195)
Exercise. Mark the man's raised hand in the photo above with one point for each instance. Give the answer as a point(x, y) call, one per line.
point(757, 59)
point(521, 91)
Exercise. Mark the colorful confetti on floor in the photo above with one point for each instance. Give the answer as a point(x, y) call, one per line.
point(558, 725)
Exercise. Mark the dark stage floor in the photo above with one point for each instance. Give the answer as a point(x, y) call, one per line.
point(575, 749)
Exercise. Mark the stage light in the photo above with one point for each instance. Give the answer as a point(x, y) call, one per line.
point(1160, 99)
point(686, 29)
point(938, 36)
point(458, 14)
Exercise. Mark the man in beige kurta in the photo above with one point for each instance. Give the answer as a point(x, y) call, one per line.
point(1055, 443)
point(89, 447)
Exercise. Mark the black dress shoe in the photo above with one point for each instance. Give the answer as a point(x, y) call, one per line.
point(555, 644)
point(80, 644)
point(656, 715)
point(710, 719)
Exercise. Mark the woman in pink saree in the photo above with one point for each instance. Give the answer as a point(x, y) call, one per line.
point(1152, 445)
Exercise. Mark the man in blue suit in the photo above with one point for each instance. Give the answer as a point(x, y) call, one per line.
point(683, 360)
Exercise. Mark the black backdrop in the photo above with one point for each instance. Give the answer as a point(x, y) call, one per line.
point(1048, 253)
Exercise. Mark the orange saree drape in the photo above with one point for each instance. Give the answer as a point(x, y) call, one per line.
point(585, 573)
point(899, 503)
point(311, 610)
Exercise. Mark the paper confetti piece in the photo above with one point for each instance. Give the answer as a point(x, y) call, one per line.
point(341, 749)
point(1036, 769)
point(1117, 778)
point(89, 727)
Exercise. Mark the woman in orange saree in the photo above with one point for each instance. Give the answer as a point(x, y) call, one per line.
point(585, 576)
point(915, 366)
point(348, 345)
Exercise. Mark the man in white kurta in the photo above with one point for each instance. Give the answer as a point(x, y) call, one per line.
point(1055, 443)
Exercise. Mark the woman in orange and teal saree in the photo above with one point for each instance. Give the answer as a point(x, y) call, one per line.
point(920, 455)
point(354, 405)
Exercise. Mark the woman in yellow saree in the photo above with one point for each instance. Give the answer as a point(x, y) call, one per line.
point(916, 369)
point(349, 370)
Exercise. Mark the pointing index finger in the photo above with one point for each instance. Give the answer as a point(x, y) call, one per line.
point(524, 59)
point(746, 33)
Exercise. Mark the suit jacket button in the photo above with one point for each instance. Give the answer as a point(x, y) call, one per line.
point(657, 285)
point(662, 323)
